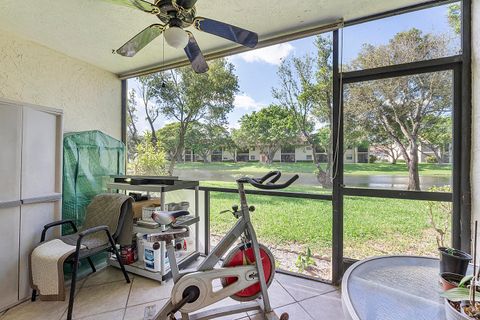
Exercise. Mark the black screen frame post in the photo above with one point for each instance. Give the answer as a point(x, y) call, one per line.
point(337, 192)
point(466, 129)
point(124, 92)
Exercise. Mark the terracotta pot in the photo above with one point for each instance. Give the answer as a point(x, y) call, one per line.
point(450, 280)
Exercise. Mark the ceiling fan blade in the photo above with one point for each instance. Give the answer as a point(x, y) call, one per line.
point(227, 31)
point(137, 4)
point(186, 4)
point(137, 43)
point(194, 54)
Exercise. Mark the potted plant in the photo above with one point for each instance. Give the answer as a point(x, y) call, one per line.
point(461, 302)
point(440, 215)
point(454, 261)
point(450, 280)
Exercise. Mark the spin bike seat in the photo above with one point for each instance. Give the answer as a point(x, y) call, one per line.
point(168, 217)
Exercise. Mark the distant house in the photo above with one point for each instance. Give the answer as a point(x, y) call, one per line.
point(299, 153)
point(424, 153)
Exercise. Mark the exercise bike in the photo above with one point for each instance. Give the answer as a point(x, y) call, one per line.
point(241, 278)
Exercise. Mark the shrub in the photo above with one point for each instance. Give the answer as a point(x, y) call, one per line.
point(148, 161)
point(372, 158)
point(305, 261)
point(431, 159)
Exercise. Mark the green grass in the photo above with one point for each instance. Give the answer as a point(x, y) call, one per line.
point(372, 226)
point(399, 169)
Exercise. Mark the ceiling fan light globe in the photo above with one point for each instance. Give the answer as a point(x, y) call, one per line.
point(176, 37)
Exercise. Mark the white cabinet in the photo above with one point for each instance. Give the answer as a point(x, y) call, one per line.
point(9, 246)
point(33, 218)
point(39, 154)
point(30, 189)
point(10, 152)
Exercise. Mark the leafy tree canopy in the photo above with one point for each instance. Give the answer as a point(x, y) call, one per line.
point(455, 17)
point(402, 107)
point(187, 97)
point(268, 129)
point(203, 139)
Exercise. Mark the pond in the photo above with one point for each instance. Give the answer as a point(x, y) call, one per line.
point(308, 179)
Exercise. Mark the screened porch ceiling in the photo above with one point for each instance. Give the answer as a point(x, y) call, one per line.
point(89, 29)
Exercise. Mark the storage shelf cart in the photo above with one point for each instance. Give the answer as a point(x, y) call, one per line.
point(170, 184)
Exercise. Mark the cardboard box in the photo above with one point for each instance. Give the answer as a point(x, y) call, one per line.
point(137, 206)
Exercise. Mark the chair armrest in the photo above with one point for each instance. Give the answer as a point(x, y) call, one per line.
point(94, 230)
point(57, 223)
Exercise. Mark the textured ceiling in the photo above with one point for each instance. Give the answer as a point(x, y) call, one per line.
point(89, 29)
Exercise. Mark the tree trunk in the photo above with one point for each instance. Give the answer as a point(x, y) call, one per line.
point(205, 158)
point(151, 121)
point(394, 156)
point(438, 155)
point(270, 155)
point(413, 174)
point(323, 176)
point(178, 150)
point(154, 138)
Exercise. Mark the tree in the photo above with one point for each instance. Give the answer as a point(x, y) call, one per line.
point(187, 97)
point(147, 90)
point(382, 143)
point(133, 137)
point(168, 139)
point(228, 144)
point(203, 139)
point(455, 17)
point(437, 136)
point(401, 106)
point(268, 130)
point(306, 91)
point(323, 139)
point(149, 160)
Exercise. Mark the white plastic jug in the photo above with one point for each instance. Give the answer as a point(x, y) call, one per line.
point(152, 256)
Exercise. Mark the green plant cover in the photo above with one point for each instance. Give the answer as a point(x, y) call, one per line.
point(89, 158)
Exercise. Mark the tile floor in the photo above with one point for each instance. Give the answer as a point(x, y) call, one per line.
point(105, 295)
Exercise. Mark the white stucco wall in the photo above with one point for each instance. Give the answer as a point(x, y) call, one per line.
point(89, 96)
point(227, 155)
point(301, 153)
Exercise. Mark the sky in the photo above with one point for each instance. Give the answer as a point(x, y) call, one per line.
point(257, 69)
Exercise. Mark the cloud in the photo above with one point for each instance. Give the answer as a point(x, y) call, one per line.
point(244, 101)
point(271, 55)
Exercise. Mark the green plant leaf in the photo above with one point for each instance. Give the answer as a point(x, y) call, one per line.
point(457, 294)
point(465, 280)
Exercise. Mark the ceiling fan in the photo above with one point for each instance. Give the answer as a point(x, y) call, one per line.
point(176, 15)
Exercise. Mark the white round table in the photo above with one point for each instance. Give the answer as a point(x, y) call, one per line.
point(393, 288)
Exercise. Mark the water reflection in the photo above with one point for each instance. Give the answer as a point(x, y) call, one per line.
point(356, 181)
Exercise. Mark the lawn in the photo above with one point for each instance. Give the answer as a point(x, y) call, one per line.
point(399, 169)
point(372, 226)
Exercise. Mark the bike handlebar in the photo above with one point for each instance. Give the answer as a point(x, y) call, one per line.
point(274, 176)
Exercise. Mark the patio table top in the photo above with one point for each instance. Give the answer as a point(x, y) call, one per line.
point(393, 288)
